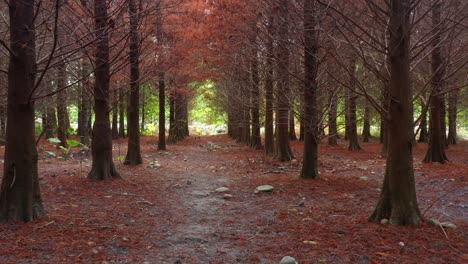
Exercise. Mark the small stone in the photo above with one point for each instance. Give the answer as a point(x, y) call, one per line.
point(448, 225)
point(91, 243)
point(402, 244)
point(364, 178)
point(384, 221)
point(288, 260)
point(227, 196)
point(95, 251)
point(264, 188)
point(222, 189)
point(313, 243)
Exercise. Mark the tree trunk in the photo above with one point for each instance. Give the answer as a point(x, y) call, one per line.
point(269, 137)
point(283, 150)
point(351, 128)
point(62, 129)
point(310, 157)
point(423, 134)
point(103, 166)
point(436, 146)
point(133, 151)
point(452, 117)
point(383, 121)
point(122, 100)
point(397, 200)
point(292, 123)
point(20, 196)
point(115, 113)
point(172, 122)
point(366, 127)
point(256, 141)
point(332, 115)
point(51, 118)
point(162, 113)
point(84, 113)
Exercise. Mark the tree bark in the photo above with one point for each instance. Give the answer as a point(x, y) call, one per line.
point(172, 121)
point(423, 133)
point(292, 123)
point(51, 118)
point(84, 113)
point(351, 127)
point(452, 117)
point(283, 150)
point(366, 127)
point(102, 166)
point(133, 151)
point(115, 115)
point(20, 196)
point(62, 113)
point(122, 100)
point(332, 115)
point(436, 146)
point(397, 200)
point(310, 157)
point(269, 137)
point(256, 141)
point(162, 112)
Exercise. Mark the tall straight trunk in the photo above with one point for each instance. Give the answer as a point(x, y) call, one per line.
point(102, 166)
point(255, 141)
point(185, 116)
point(436, 146)
point(310, 157)
point(346, 114)
point(443, 121)
point(172, 121)
point(62, 129)
point(292, 123)
point(161, 84)
point(162, 112)
point(143, 111)
point(397, 200)
point(301, 127)
point(133, 151)
point(351, 128)
point(283, 150)
point(122, 100)
point(452, 117)
point(51, 118)
point(383, 121)
point(115, 114)
point(84, 113)
point(367, 116)
point(179, 113)
point(3, 121)
point(332, 115)
point(269, 137)
point(423, 133)
point(20, 196)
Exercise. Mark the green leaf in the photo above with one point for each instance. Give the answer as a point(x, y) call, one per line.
point(54, 140)
point(51, 153)
point(121, 158)
point(62, 148)
point(73, 143)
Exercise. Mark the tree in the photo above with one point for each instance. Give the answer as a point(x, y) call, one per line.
point(269, 137)
point(101, 148)
point(310, 156)
point(20, 196)
point(161, 85)
point(397, 200)
point(366, 127)
point(133, 152)
point(283, 150)
point(436, 146)
point(351, 128)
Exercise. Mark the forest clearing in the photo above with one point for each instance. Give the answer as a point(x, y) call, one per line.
point(229, 131)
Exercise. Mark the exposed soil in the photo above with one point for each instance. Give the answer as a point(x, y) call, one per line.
point(166, 210)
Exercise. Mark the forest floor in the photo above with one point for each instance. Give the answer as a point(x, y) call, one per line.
point(167, 210)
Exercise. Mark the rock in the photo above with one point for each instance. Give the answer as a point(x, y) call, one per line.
point(288, 260)
point(227, 196)
point(365, 178)
point(384, 221)
point(222, 189)
point(448, 225)
point(313, 243)
point(264, 188)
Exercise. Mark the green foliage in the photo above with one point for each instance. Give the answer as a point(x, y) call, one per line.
point(65, 151)
point(206, 108)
